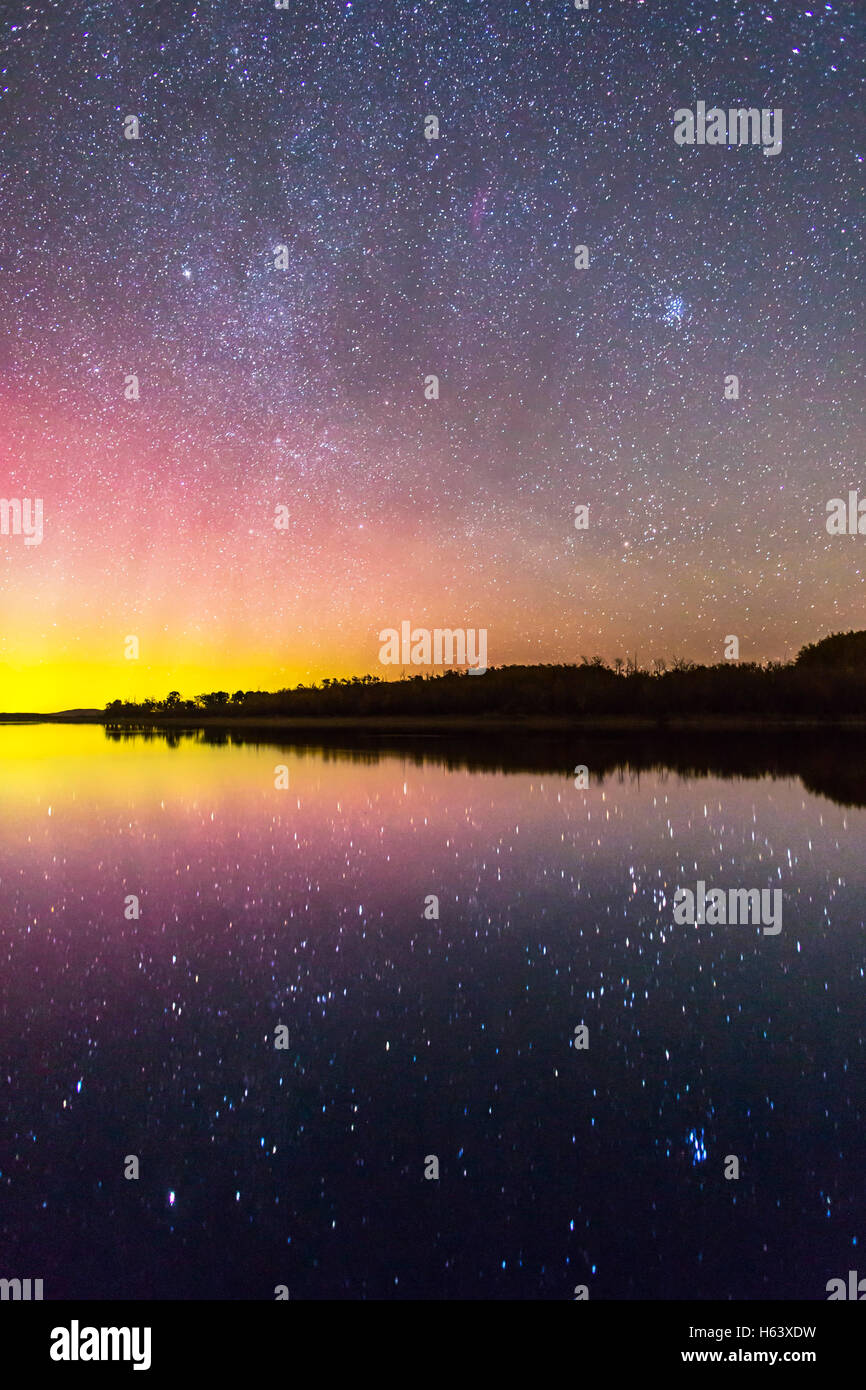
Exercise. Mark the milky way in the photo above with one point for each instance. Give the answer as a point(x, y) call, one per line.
point(303, 387)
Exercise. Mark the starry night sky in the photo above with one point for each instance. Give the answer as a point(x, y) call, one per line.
point(304, 387)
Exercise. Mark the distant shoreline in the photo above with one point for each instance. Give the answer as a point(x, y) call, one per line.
point(823, 689)
point(432, 724)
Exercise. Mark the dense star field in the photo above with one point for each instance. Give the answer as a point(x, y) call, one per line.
point(303, 387)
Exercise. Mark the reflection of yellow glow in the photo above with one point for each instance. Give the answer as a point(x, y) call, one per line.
point(53, 764)
point(70, 768)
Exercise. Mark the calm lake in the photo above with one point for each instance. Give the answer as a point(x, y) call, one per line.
point(413, 1036)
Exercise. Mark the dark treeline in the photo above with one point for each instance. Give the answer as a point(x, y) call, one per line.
point(826, 681)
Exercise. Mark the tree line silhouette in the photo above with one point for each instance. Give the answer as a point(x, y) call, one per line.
point(827, 680)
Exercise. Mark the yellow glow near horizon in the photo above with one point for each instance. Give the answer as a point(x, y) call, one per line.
point(51, 687)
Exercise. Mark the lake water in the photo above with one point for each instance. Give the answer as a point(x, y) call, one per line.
point(412, 1037)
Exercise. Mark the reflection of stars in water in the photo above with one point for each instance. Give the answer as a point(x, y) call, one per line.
point(331, 945)
point(675, 309)
point(699, 1148)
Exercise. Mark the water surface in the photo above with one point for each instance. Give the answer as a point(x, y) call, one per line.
point(411, 1037)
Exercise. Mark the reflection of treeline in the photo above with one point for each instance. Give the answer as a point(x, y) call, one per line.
point(831, 762)
point(827, 681)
